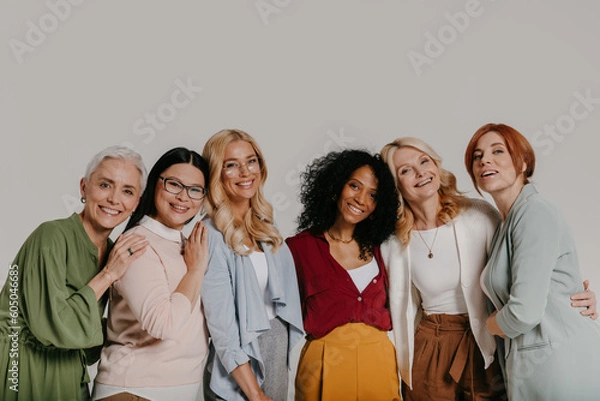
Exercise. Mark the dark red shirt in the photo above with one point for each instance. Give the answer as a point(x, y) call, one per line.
point(328, 295)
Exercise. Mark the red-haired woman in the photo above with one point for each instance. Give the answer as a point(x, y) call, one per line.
point(551, 352)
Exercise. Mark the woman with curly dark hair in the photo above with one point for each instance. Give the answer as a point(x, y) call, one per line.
point(350, 205)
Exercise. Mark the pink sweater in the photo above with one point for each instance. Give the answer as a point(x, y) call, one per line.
point(155, 337)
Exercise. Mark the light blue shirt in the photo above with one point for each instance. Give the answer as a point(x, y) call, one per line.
point(235, 311)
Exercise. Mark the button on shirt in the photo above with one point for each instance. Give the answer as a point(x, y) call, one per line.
point(328, 295)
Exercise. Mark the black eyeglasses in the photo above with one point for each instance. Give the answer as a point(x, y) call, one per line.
point(174, 186)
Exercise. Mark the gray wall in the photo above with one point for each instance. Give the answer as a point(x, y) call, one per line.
point(302, 77)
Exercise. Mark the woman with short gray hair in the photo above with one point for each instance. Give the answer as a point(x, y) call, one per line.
point(52, 303)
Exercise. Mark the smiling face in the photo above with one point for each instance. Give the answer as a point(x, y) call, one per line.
point(241, 173)
point(417, 175)
point(493, 167)
point(358, 197)
point(111, 193)
point(173, 210)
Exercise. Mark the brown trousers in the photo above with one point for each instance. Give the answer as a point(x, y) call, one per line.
point(448, 365)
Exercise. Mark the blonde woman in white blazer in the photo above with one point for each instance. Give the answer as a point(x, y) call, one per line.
point(443, 348)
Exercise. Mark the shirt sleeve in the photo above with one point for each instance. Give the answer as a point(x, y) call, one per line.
point(92, 355)
point(55, 314)
point(534, 239)
point(145, 289)
point(219, 305)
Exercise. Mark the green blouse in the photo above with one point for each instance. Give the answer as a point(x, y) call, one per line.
point(50, 321)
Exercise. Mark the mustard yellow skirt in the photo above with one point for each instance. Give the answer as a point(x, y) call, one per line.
point(354, 362)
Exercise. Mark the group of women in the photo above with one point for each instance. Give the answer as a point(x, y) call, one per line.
point(403, 287)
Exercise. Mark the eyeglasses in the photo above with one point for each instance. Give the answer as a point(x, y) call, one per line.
point(175, 186)
point(233, 168)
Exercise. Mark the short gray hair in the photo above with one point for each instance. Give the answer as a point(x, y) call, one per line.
point(117, 152)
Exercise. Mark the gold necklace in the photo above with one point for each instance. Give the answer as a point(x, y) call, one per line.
point(343, 241)
point(430, 254)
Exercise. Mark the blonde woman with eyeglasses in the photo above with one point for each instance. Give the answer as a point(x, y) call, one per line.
point(250, 291)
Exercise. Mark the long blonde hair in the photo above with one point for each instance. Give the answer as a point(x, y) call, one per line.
point(452, 201)
point(257, 225)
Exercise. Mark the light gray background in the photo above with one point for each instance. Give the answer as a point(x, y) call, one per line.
point(302, 77)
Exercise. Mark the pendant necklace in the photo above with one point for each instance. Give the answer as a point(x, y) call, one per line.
point(430, 255)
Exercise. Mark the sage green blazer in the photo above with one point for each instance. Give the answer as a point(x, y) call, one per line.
point(551, 351)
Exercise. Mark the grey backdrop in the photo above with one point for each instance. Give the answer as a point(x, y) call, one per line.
point(302, 77)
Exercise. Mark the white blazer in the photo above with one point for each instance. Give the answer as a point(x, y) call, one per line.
point(473, 229)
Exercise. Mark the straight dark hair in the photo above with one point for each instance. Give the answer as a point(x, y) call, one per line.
point(147, 206)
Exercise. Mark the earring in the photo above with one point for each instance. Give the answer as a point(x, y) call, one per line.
point(82, 199)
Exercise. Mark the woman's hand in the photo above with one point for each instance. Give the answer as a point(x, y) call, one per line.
point(586, 299)
point(261, 397)
point(195, 252)
point(128, 248)
point(195, 256)
point(492, 325)
point(245, 378)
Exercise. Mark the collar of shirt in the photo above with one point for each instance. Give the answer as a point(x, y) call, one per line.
point(162, 230)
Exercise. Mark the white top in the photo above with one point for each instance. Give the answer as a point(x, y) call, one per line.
point(483, 272)
point(437, 278)
point(474, 229)
point(482, 283)
point(259, 262)
point(191, 392)
point(363, 275)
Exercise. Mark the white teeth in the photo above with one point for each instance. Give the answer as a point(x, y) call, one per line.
point(109, 211)
point(487, 173)
point(179, 207)
point(424, 183)
point(245, 184)
point(354, 209)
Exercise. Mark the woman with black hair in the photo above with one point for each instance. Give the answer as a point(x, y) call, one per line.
point(157, 339)
point(350, 205)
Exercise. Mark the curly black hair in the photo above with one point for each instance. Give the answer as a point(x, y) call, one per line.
point(321, 187)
